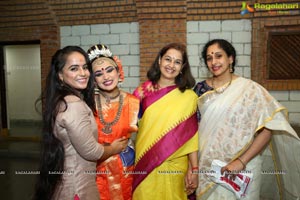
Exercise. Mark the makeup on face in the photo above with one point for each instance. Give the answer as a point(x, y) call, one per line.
point(217, 61)
point(170, 66)
point(75, 73)
point(169, 59)
point(108, 69)
point(77, 67)
point(106, 74)
point(102, 65)
point(214, 55)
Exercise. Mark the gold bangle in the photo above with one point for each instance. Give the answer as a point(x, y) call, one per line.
point(244, 165)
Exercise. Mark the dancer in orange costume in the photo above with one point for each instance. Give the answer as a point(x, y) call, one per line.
point(117, 117)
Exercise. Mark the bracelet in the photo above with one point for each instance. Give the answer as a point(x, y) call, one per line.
point(244, 165)
point(195, 168)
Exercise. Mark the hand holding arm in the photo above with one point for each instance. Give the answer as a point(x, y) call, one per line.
point(115, 147)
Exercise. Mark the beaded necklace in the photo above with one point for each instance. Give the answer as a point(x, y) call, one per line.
point(107, 125)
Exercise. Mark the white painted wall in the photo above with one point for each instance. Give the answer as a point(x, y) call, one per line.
point(238, 32)
point(123, 40)
point(23, 81)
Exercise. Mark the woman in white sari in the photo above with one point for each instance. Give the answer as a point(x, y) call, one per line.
point(239, 119)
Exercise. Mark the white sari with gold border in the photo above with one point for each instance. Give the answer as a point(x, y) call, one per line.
point(229, 121)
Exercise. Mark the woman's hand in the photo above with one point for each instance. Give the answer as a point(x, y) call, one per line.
point(191, 177)
point(261, 140)
point(232, 169)
point(119, 145)
point(115, 147)
point(191, 181)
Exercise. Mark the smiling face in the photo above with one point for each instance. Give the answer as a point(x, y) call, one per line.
point(106, 74)
point(217, 60)
point(170, 64)
point(75, 72)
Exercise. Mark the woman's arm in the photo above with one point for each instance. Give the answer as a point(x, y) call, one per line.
point(115, 147)
point(193, 159)
point(260, 141)
point(191, 178)
point(77, 122)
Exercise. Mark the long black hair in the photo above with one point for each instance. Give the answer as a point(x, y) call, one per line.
point(223, 44)
point(52, 154)
point(185, 79)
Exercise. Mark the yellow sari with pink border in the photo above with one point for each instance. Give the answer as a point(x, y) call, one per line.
point(167, 134)
point(229, 121)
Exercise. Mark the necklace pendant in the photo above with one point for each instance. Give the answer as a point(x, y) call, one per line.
point(107, 100)
point(107, 129)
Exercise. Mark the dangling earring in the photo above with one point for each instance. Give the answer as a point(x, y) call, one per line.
point(120, 81)
point(96, 90)
point(230, 68)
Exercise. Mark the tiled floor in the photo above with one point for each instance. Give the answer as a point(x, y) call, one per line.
point(19, 161)
point(18, 179)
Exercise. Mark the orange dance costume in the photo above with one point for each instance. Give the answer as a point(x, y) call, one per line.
point(119, 118)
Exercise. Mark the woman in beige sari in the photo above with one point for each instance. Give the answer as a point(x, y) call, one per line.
point(239, 119)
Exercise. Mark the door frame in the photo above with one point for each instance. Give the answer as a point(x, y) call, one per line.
point(3, 96)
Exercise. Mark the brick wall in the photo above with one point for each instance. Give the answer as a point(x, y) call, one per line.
point(160, 22)
point(215, 10)
point(30, 21)
point(260, 36)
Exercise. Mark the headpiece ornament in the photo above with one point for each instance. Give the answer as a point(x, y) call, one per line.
point(101, 50)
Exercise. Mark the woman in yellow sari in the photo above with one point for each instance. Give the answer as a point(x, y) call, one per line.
point(239, 118)
point(167, 140)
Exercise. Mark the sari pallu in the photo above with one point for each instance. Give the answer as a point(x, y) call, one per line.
point(167, 134)
point(227, 128)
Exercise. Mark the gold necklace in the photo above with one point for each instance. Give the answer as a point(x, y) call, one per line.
point(108, 98)
point(223, 88)
point(107, 125)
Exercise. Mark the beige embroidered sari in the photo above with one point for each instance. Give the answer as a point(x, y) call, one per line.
point(228, 125)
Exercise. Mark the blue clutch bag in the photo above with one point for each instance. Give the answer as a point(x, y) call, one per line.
point(128, 156)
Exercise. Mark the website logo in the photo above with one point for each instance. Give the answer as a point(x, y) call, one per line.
point(278, 8)
point(271, 8)
point(246, 9)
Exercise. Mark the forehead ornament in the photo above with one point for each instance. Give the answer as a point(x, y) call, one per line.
point(100, 52)
point(98, 62)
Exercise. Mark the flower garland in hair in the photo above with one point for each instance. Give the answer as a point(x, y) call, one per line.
point(121, 71)
point(96, 53)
